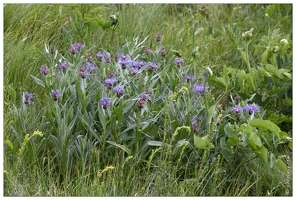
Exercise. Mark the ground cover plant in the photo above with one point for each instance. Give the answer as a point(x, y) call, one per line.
point(147, 100)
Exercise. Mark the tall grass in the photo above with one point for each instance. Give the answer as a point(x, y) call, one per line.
point(74, 147)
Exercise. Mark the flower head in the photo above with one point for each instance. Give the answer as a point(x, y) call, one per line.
point(110, 81)
point(44, 70)
point(89, 58)
point(143, 96)
point(77, 47)
point(55, 94)
point(188, 77)
point(118, 89)
point(158, 37)
point(111, 73)
point(134, 71)
point(105, 102)
point(237, 109)
point(163, 51)
point(252, 108)
point(152, 66)
point(83, 73)
point(178, 61)
point(148, 51)
point(91, 68)
point(27, 98)
point(100, 55)
point(63, 66)
point(200, 88)
point(107, 58)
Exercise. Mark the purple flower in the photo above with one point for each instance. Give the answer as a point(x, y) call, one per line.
point(252, 108)
point(83, 73)
point(125, 57)
point(178, 61)
point(55, 94)
point(77, 47)
point(188, 77)
point(110, 81)
point(163, 51)
point(100, 55)
point(27, 98)
point(44, 70)
point(134, 71)
point(116, 57)
point(152, 66)
point(158, 37)
point(91, 68)
point(89, 58)
point(111, 74)
point(107, 58)
point(143, 96)
point(63, 66)
point(105, 102)
point(200, 88)
point(135, 64)
point(148, 51)
point(237, 109)
point(118, 89)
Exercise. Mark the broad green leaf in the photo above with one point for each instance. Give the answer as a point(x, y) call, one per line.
point(263, 154)
point(260, 123)
point(78, 14)
point(37, 80)
point(124, 148)
point(100, 21)
point(271, 160)
point(92, 23)
point(290, 145)
point(228, 130)
point(202, 143)
point(226, 152)
point(255, 139)
point(210, 114)
point(264, 56)
point(107, 24)
point(282, 165)
point(244, 56)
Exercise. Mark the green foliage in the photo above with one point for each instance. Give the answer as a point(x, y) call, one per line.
point(178, 141)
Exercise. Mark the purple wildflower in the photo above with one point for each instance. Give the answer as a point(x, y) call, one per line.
point(91, 68)
point(152, 66)
point(27, 98)
point(116, 57)
point(188, 77)
point(178, 61)
point(111, 74)
point(135, 64)
point(77, 47)
point(143, 96)
point(44, 70)
point(123, 63)
point(200, 88)
point(107, 58)
point(252, 108)
point(163, 51)
point(63, 66)
point(237, 109)
point(100, 55)
point(55, 94)
point(118, 89)
point(105, 102)
point(158, 37)
point(148, 51)
point(110, 81)
point(134, 71)
point(83, 73)
point(89, 58)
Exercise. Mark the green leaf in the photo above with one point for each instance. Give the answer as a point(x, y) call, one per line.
point(107, 24)
point(211, 113)
point(8, 143)
point(228, 130)
point(244, 56)
point(282, 165)
point(157, 143)
point(92, 23)
point(198, 31)
point(260, 123)
point(37, 80)
point(263, 154)
point(78, 14)
point(124, 148)
point(264, 56)
point(255, 139)
point(202, 143)
point(100, 21)
point(226, 151)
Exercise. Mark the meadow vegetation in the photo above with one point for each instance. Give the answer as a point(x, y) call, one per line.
point(147, 100)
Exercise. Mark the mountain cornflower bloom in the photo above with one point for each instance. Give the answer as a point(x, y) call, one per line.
point(142, 63)
point(148, 51)
point(163, 52)
point(100, 55)
point(123, 63)
point(110, 82)
point(135, 64)
point(178, 61)
point(83, 73)
point(75, 48)
point(143, 96)
point(152, 66)
point(134, 71)
point(27, 98)
point(119, 90)
point(252, 108)
point(158, 37)
point(44, 70)
point(107, 58)
point(111, 74)
point(63, 66)
point(200, 88)
point(116, 57)
point(89, 58)
point(188, 77)
point(105, 102)
point(237, 109)
point(55, 94)
point(91, 68)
